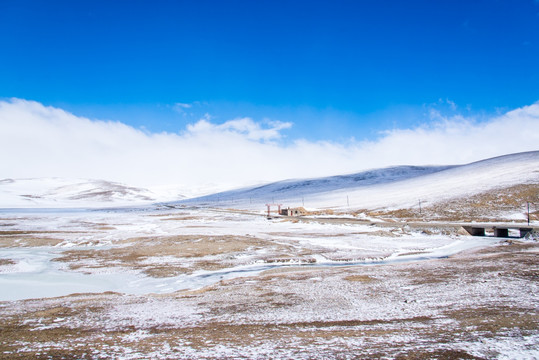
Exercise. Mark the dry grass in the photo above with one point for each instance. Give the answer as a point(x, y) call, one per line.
point(5, 262)
point(360, 278)
point(81, 340)
point(441, 354)
point(71, 327)
point(78, 326)
point(137, 253)
point(180, 218)
point(28, 241)
point(21, 232)
point(288, 269)
point(492, 320)
point(25, 238)
point(482, 207)
point(305, 235)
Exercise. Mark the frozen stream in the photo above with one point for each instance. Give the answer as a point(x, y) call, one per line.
point(34, 275)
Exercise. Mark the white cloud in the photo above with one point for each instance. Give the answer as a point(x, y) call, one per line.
point(39, 141)
point(243, 126)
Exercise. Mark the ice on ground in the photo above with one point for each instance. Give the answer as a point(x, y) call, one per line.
point(32, 273)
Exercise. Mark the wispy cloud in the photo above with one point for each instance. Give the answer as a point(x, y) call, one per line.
point(183, 106)
point(38, 141)
point(452, 104)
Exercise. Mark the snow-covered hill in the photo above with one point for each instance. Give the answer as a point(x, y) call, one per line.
point(292, 188)
point(389, 188)
point(60, 192)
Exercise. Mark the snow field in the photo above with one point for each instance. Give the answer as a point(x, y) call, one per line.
point(32, 273)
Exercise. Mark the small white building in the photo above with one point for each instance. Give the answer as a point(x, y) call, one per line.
point(299, 211)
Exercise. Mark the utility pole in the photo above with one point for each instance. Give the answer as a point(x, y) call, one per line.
point(303, 201)
point(420, 206)
point(347, 201)
point(528, 203)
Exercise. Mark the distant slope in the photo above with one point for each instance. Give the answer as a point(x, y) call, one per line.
point(401, 187)
point(288, 189)
point(389, 188)
point(456, 182)
point(60, 192)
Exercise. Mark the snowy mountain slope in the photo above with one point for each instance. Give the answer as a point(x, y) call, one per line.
point(456, 182)
point(396, 187)
point(307, 187)
point(389, 188)
point(59, 192)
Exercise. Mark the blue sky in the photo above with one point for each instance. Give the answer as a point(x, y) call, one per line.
point(335, 69)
